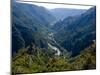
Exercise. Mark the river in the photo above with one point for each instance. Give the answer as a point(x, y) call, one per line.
point(54, 47)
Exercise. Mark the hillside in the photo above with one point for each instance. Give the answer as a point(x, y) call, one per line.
point(78, 32)
point(40, 44)
point(27, 24)
point(30, 62)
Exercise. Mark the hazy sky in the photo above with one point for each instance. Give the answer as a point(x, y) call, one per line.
point(52, 6)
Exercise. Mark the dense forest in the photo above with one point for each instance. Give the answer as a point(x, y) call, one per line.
point(43, 40)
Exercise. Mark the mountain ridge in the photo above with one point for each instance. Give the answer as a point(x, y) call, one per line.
point(82, 27)
point(39, 46)
point(62, 13)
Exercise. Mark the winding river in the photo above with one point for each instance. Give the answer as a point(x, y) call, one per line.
point(53, 47)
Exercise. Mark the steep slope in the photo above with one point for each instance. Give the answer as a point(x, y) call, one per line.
point(22, 37)
point(62, 13)
point(38, 61)
point(45, 17)
point(63, 23)
point(38, 48)
point(78, 33)
point(29, 25)
point(17, 40)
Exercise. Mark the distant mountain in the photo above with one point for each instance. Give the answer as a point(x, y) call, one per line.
point(77, 33)
point(40, 44)
point(64, 23)
point(62, 13)
point(45, 17)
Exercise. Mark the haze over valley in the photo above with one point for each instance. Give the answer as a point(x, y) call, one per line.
point(47, 40)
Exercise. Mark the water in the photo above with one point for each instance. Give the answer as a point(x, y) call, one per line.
point(53, 47)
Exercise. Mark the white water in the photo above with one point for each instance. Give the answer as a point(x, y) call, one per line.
point(53, 47)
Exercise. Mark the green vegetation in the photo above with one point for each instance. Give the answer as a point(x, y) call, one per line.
point(39, 61)
point(36, 40)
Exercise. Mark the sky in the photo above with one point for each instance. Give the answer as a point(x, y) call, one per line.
point(52, 6)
